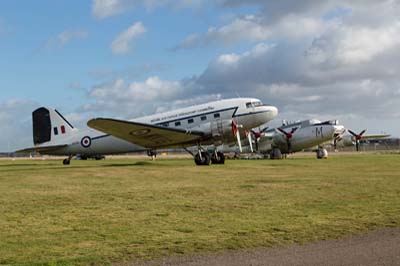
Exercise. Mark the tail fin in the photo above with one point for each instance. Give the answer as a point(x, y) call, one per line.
point(49, 126)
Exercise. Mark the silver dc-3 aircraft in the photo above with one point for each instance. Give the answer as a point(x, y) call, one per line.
point(295, 137)
point(213, 123)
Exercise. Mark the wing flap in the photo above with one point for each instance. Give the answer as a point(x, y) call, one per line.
point(148, 136)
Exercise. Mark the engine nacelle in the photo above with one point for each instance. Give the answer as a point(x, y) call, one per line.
point(348, 141)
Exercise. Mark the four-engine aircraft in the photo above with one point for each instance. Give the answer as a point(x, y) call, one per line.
point(213, 123)
point(294, 137)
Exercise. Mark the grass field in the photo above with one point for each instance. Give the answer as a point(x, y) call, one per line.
point(116, 211)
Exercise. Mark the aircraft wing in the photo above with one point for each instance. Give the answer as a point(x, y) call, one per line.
point(378, 136)
point(269, 134)
point(42, 149)
point(148, 136)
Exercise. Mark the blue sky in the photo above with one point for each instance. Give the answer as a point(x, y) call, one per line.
point(126, 58)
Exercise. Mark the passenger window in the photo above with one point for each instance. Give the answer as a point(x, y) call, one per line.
point(203, 118)
point(177, 124)
point(217, 115)
point(165, 124)
point(190, 121)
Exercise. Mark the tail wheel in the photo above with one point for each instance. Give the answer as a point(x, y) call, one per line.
point(202, 158)
point(66, 162)
point(218, 158)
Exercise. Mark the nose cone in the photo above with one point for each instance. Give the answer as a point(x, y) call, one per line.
point(272, 112)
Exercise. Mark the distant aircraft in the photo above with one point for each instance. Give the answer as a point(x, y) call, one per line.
point(213, 123)
point(298, 136)
point(353, 139)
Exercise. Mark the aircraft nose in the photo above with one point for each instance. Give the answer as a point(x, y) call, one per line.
point(273, 111)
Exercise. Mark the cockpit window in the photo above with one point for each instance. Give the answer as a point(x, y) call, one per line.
point(258, 103)
point(254, 104)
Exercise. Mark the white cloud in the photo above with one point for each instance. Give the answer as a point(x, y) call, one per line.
point(354, 44)
point(253, 29)
point(131, 99)
point(106, 8)
point(121, 44)
point(102, 9)
point(65, 37)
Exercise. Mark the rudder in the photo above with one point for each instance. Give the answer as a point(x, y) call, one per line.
point(49, 126)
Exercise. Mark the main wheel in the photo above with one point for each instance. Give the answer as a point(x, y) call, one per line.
point(204, 159)
point(66, 162)
point(322, 154)
point(218, 158)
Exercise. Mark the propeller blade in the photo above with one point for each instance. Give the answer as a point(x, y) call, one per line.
point(335, 143)
point(250, 141)
point(239, 141)
point(352, 133)
point(236, 133)
point(358, 145)
point(283, 131)
point(289, 145)
point(362, 132)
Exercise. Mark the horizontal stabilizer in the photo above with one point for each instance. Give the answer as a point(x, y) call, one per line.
point(42, 149)
point(145, 135)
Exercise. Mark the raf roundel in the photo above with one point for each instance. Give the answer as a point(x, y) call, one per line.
point(86, 142)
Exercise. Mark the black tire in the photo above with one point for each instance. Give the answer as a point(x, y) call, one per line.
point(204, 160)
point(66, 162)
point(218, 158)
point(322, 154)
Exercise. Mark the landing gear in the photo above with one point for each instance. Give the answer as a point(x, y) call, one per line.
point(217, 158)
point(202, 158)
point(322, 153)
point(276, 154)
point(68, 160)
point(152, 154)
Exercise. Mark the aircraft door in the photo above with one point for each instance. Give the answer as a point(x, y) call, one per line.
point(221, 130)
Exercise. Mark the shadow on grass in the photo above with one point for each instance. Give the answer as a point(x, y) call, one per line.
point(131, 164)
point(60, 167)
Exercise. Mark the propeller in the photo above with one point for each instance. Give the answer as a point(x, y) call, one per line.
point(257, 136)
point(289, 136)
point(248, 135)
point(358, 137)
point(236, 133)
